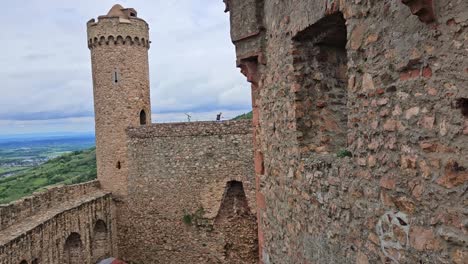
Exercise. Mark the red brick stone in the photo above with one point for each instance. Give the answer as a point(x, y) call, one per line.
point(427, 122)
point(460, 256)
point(405, 204)
point(428, 146)
point(423, 239)
point(259, 163)
point(454, 175)
point(408, 162)
point(432, 91)
point(427, 72)
point(388, 182)
point(261, 202)
point(390, 125)
point(361, 258)
point(386, 199)
point(357, 36)
point(425, 169)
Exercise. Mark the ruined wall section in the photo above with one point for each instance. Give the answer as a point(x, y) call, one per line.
point(179, 179)
point(400, 196)
point(119, 54)
point(35, 229)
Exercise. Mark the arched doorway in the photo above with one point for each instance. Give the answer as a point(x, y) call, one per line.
point(100, 242)
point(73, 250)
point(238, 226)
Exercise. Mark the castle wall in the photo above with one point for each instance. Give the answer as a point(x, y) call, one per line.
point(191, 194)
point(401, 195)
point(36, 229)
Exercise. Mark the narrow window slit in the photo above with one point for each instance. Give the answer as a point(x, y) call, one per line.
point(116, 77)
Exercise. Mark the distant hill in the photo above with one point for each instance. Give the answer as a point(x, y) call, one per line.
point(72, 168)
point(243, 116)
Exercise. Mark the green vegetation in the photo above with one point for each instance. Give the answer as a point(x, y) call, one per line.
point(187, 219)
point(344, 153)
point(196, 218)
point(8, 170)
point(72, 168)
point(243, 116)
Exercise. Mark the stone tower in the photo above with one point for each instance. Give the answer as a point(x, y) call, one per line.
point(119, 43)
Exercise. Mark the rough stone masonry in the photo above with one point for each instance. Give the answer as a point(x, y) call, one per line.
point(360, 126)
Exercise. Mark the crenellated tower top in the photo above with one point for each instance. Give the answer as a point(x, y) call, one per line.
point(120, 26)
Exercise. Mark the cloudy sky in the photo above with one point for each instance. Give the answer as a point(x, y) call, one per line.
point(45, 65)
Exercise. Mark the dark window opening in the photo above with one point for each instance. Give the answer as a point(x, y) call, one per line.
point(119, 165)
point(115, 77)
point(320, 62)
point(462, 103)
point(142, 117)
point(132, 14)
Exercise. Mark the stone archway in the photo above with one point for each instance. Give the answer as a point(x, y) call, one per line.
point(237, 224)
point(100, 242)
point(73, 250)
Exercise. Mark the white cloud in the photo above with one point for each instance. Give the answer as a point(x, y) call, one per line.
point(46, 72)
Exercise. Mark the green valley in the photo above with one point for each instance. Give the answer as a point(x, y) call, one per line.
point(71, 168)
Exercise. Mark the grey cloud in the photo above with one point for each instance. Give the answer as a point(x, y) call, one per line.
point(44, 115)
point(47, 71)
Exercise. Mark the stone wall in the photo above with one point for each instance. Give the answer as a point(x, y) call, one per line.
point(394, 189)
point(58, 226)
point(191, 187)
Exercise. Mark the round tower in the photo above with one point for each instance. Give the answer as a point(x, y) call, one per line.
point(119, 43)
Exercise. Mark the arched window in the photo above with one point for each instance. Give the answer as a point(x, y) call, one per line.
point(142, 117)
point(73, 250)
point(100, 242)
point(35, 261)
point(320, 60)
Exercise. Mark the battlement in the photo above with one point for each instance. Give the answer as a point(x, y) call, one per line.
point(119, 26)
point(118, 40)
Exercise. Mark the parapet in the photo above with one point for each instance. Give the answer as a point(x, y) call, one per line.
point(16, 211)
point(119, 26)
point(187, 129)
